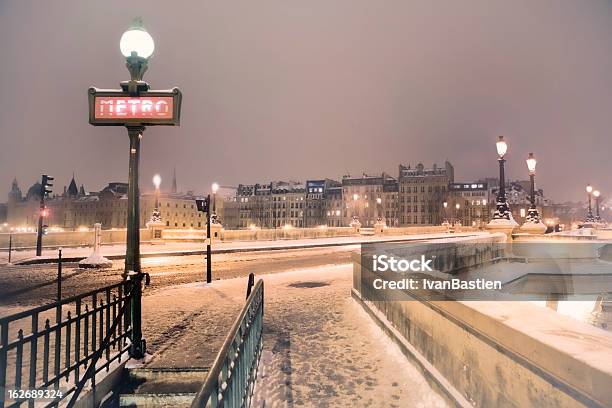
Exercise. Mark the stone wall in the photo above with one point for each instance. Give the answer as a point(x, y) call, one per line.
point(496, 353)
point(69, 238)
point(116, 236)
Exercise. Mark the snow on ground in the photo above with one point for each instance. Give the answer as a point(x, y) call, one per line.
point(320, 348)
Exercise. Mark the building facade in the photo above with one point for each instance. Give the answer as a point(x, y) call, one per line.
point(470, 204)
point(77, 209)
point(422, 192)
point(272, 205)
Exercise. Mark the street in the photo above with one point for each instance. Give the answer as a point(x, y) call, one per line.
point(33, 285)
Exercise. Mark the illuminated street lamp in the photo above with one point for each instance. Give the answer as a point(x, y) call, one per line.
point(379, 217)
point(589, 218)
point(455, 220)
point(355, 219)
point(134, 107)
point(502, 212)
point(156, 216)
point(596, 194)
point(137, 46)
point(445, 205)
point(533, 216)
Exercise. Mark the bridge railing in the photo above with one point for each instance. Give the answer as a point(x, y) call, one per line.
point(231, 380)
point(48, 349)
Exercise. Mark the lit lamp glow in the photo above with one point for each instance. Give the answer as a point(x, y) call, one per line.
point(136, 41)
point(531, 163)
point(502, 147)
point(137, 47)
point(157, 181)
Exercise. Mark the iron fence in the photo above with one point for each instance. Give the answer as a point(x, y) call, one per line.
point(231, 380)
point(51, 350)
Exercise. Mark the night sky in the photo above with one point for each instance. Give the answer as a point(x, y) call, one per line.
point(278, 89)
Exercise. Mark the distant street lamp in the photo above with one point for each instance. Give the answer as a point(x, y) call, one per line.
point(445, 205)
point(457, 206)
point(379, 209)
point(589, 190)
point(156, 217)
point(214, 188)
point(533, 216)
point(502, 211)
point(596, 193)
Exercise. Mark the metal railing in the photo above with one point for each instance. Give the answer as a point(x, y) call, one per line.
point(76, 333)
point(231, 380)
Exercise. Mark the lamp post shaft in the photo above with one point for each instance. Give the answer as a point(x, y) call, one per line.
point(208, 241)
point(132, 255)
point(590, 207)
point(501, 197)
point(597, 208)
point(502, 211)
point(532, 178)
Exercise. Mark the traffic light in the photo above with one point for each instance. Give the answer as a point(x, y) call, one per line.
point(42, 229)
point(203, 204)
point(46, 185)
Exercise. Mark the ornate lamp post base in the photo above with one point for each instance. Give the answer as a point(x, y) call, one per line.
point(535, 228)
point(379, 226)
point(533, 223)
point(355, 223)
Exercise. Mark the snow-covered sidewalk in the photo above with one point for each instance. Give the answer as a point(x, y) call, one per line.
point(320, 348)
point(196, 248)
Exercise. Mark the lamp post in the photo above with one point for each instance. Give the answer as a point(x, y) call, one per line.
point(533, 215)
point(156, 217)
point(134, 106)
point(355, 219)
point(457, 206)
point(137, 46)
point(445, 205)
point(502, 211)
point(215, 188)
point(379, 210)
point(596, 193)
point(589, 190)
point(208, 243)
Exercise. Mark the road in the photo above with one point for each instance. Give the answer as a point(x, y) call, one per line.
point(32, 285)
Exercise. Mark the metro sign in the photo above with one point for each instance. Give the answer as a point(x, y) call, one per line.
point(117, 108)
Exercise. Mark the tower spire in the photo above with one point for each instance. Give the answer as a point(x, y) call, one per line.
point(174, 189)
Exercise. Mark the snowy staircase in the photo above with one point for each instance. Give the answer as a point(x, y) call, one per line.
point(157, 387)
